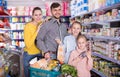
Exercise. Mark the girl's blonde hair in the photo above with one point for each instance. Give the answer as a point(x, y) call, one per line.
point(81, 36)
point(76, 22)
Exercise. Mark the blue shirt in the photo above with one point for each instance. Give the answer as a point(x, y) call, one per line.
point(69, 45)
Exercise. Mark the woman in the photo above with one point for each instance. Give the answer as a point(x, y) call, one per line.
point(30, 32)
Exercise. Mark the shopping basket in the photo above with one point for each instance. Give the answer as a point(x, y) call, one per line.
point(35, 72)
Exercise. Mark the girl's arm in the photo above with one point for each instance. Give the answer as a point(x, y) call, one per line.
point(89, 61)
point(74, 60)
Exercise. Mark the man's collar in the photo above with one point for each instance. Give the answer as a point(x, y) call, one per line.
point(55, 20)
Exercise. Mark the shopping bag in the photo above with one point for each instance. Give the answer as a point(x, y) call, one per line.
point(60, 54)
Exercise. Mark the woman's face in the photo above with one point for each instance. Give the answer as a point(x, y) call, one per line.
point(75, 29)
point(37, 15)
point(81, 43)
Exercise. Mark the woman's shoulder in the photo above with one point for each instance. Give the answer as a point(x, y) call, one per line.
point(29, 23)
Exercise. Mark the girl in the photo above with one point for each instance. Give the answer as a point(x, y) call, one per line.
point(30, 32)
point(70, 41)
point(81, 58)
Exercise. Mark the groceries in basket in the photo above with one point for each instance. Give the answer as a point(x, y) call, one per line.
point(44, 64)
point(68, 70)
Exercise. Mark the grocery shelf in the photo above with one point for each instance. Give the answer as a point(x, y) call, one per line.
point(104, 38)
point(18, 39)
point(4, 13)
point(17, 22)
point(105, 8)
point(98, 73)
point(96, 22)
point(113, 20)
point(3, 29)
point(106, 58)
point(20, 16)
point(17, 30)
point(102, 22)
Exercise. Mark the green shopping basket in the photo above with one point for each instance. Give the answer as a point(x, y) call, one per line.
point(35, 72)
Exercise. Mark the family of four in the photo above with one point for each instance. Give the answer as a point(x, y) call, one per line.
point(40, 40)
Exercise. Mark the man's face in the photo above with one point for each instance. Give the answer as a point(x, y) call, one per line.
point(56, 12)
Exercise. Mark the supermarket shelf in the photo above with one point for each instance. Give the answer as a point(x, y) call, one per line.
point(18, 39)
point(12, 16)
point(106, 58)
point(102, 22)
point(4, 13)
point(17, 30)
point(104, 38)
point(17, 22)
point(113, 20)
point(98, 73)
point(6, 30)
point(105, 8)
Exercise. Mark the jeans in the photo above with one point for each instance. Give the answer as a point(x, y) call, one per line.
point(26, 59)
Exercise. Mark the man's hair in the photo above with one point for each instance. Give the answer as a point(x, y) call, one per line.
point(54, 5)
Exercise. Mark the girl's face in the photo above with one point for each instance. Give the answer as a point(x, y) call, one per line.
point(82, 43)
point(75, 29)
point(37, 16)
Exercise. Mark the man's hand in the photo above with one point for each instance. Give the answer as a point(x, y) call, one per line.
point(58, 41)
point(47, 55)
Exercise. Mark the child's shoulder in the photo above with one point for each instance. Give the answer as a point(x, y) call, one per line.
point(69, 37)
point(74, 52)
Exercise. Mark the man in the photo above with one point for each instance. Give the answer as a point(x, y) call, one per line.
point(50, 31)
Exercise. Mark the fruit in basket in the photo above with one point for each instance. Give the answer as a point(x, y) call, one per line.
point(52, 64)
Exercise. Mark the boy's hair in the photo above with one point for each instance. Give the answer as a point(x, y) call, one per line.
point(76, 22)
point(54, 5)
point(81, 36)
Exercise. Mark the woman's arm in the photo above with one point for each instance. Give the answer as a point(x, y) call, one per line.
point(29, 35)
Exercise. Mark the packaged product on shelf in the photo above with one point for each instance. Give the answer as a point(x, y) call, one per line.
point(108, 68)
point(118, 54)
point(114, 13)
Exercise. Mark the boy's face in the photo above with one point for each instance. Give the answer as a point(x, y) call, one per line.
point(56, 12)
point(82, 44)
point(75, 29)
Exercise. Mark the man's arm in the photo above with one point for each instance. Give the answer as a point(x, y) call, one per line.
point(41, 36)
